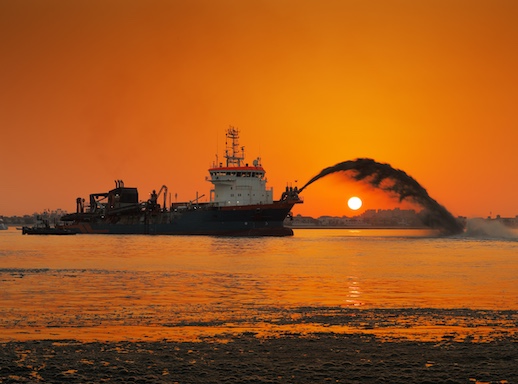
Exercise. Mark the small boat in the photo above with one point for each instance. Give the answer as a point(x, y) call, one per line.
point(42, 227)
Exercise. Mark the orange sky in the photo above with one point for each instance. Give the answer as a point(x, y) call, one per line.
point(92, 91)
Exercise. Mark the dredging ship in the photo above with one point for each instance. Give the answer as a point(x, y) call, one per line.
point(239, 205)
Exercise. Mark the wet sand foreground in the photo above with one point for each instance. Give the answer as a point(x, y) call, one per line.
point(303, 345)
point(245, 358)
point(314, 344)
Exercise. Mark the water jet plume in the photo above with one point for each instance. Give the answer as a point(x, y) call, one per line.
point(396, 182)
point(489, 229)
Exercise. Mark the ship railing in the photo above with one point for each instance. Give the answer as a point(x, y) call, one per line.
point(186, 206)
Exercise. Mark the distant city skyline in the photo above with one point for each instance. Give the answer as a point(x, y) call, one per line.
point(381, 217)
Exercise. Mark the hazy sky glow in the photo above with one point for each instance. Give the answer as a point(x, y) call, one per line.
point(143, 91)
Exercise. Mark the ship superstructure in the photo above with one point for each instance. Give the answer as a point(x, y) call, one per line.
point(238, 183)
point(240, 204)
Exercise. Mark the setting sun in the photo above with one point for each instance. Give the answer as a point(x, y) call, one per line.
point(354, 203)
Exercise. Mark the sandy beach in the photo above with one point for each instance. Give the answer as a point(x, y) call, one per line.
point(318, 345)
point(291, 358)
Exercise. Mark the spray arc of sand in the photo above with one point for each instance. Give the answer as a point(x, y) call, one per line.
point(396, 182)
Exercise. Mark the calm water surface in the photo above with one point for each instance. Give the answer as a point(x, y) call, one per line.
point(99, 285)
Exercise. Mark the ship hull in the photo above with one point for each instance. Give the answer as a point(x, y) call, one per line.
point(255, 220)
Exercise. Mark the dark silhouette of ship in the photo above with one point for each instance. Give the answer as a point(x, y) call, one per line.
point(43, 227)
point(240, 205)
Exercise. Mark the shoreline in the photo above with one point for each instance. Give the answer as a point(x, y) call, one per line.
point(388, 324)
point(356, 227)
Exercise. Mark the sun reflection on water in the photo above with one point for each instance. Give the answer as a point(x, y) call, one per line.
point(402, 285)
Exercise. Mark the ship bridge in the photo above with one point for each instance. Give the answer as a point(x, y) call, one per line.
point(238, 183)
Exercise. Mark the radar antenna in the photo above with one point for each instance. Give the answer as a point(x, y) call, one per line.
point(233, 153)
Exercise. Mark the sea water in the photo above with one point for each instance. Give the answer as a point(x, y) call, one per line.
point(176, 287)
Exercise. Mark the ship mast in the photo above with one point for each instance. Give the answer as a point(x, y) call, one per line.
point(233, 153)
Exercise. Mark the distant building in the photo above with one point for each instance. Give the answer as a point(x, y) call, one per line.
point(339, 221)
point(392, 217)
point(507, 221)
point(301, 221)
point(404, 218)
